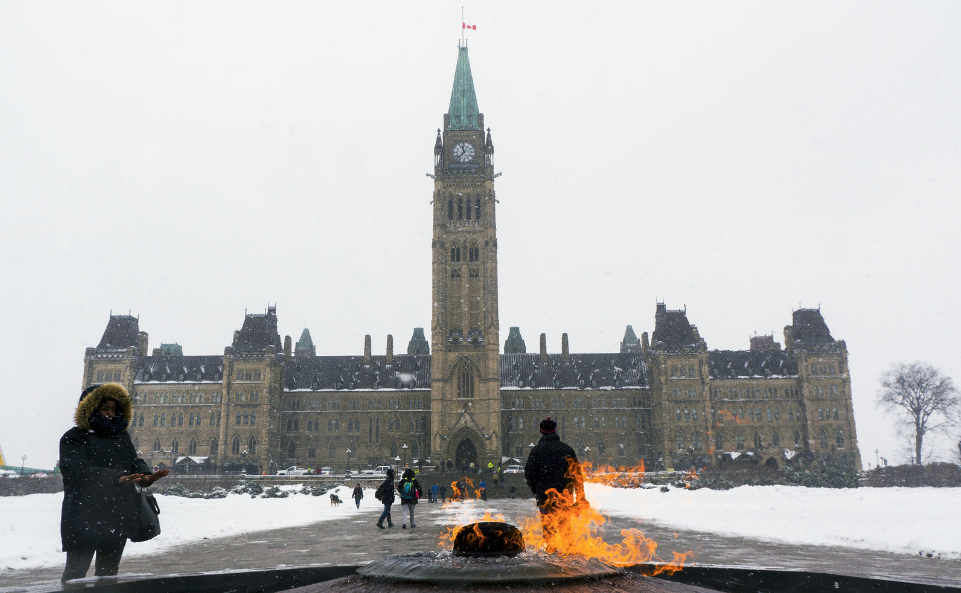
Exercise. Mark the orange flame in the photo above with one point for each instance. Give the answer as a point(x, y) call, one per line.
point(570, 526)
point(725, 415)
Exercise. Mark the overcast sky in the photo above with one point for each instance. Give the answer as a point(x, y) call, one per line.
point(190, 161)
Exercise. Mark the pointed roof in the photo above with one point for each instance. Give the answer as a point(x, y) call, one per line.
point(305, 342)
point(463, 109)
point(122, 332)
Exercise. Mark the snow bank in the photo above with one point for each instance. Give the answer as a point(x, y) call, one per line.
point(30, 525)
point(901, 520)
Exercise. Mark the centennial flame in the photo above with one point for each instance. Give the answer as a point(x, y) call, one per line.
point(572, 527)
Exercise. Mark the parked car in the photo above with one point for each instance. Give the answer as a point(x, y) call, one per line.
point(326, 471)
point(513, 469)
point(294, 470)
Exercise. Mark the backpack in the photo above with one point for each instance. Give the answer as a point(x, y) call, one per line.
point(407, 490)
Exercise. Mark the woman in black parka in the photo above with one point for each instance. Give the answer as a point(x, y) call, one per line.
point(101, 507)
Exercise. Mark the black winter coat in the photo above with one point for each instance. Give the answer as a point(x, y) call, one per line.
point(385, 492)
point(96, 506)
point(547, 465)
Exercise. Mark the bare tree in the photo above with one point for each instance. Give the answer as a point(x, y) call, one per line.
point(923, 399)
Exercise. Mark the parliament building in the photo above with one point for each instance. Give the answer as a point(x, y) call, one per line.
point(457, 397)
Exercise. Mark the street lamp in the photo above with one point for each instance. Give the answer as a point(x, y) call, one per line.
point(587, 451)
point(404, 447)
point(348, 458)
point(23, 461)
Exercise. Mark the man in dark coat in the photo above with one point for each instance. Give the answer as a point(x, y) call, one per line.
point(553, 474)
point(358, 494)
point(385, 494)
point(101, 507)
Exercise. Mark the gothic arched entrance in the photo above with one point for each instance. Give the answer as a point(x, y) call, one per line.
point(465, 455)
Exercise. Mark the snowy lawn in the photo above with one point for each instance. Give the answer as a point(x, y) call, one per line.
point(30, 525)
point(901, 520)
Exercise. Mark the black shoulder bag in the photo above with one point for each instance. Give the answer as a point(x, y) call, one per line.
point(149, 525)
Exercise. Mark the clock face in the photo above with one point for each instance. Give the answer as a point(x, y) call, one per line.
point(463, 152)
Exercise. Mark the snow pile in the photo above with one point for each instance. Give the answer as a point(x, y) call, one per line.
point(30, 525)
point(900, 520)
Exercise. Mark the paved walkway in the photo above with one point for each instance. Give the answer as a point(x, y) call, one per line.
point(358, 541)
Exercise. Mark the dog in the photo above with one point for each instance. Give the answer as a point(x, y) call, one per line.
point(334, 500)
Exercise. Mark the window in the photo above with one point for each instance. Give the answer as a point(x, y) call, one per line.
point(163, 419)
point(214, 446)
point(835, 412)
point(175, 447)
point(758, 443)
point(246, 419)
point(687, 415)
point(311, 451)
point(235, 446)
point(477, 208)
point(696, 440)
point(621, 450)
point(797, 438)
point(823, 438)
point(718, 441)
point(839, 439)
point(156, 446)
point(450, 208)
point(460, 210)
point(465, 381)
point(252, 446)
point(677, 414)
point(291, 449)
point(156, 419)
point(239, 418)
point(192, 447)
point(393, 450)
point(776, 440)
point(739, 442)
point(679, 441)
point(180, 421)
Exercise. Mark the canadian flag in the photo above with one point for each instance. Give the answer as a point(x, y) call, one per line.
point(466, 26)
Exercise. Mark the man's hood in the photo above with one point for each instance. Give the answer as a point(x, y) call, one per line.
point(91, 403)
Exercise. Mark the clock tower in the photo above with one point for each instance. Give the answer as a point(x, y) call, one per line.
point(465, 361)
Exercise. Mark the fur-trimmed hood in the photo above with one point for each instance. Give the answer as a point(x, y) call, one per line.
point(91, 403)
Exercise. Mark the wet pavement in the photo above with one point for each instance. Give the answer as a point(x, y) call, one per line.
point(357, 540)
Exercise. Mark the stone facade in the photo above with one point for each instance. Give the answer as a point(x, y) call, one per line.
point(456, 399)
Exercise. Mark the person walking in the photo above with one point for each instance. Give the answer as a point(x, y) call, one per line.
point(443, 494)
point(433, 493)
point(101, 506)
point(409, 489)
point(483, 490)
point(513, 491)
point(385, 494)
point(553, 474)
point(358, 494)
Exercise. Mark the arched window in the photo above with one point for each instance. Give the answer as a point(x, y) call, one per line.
point(601, 447)
point(758, 443)
point(776, 440)
point(253, 418)
point(190, 420)
point(311, 451)
point(797, 438)
point(621, 450)
point(238, 418)
point(465, 381)
point(156, 446)
point(450, 208)
point(477, 208)
point(163, 419)
point(679, 440)
point(414, 451)
point(468, 210)
point(192, 447)
point(180, 422)
point(175, 447)
point(460, 208)
point(677, 414)
point(687, 415)
point(839, 439)
point(835, 412)
point(290, 424)
point(246, 419)
point(252, 446)
point(718, 440)
point(291, 449)
point(235, 446)
point(214, 446)
point(739, 441)
point(393, 450)
point(696, 441)
point(823, 438)
point(310, 425)
point(156, 419)
point(140, 422)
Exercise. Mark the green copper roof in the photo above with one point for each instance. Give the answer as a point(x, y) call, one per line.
point(463, 109)
point(305, 341)
point(172, 349)
point(630, 337)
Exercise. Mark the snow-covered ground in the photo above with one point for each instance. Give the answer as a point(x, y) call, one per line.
point(900, 520)
point(30, 525)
